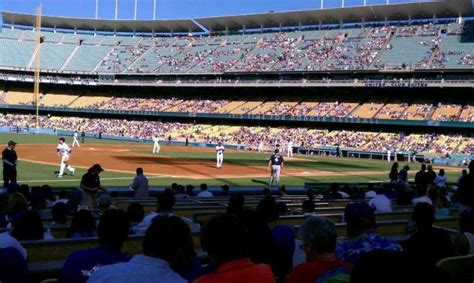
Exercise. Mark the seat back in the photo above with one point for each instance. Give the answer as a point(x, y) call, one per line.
point(460, 268)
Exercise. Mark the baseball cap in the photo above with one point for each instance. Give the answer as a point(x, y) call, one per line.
point(97, 167)
point(11, 143)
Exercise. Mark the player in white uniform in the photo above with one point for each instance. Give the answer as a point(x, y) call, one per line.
point(220, 154)
point(64, 152)
point(260, 146)
point(156, 144)
point(75, 141)
point(289, 149)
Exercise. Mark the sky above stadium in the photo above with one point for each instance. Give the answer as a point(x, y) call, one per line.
point(174, 9)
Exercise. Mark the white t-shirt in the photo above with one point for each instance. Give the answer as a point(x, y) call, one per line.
point(63, 149)
point(75, 135)
point(155, 140)
point(290, 145)
point(220, 149)
point(205, 194)
point(381, 203)
point(422, 199)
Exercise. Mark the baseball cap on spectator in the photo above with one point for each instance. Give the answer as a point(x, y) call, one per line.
point(11, 143)
point(97, 167)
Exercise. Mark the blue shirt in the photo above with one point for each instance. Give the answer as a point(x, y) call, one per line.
point(79, 264)
point(350, 250)
point(283, 238)
point(13, 267)
point(141, 269)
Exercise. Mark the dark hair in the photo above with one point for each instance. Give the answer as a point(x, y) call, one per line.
point(266, 192)
point(113, 228)
point(170, 239)
point(166, 201)
point(28, 226)
point(135, 212)
point(423, 215)
point(25, 190)
point(139, 171)
point(267, 209)
point(359, 217)
point(62, 139)
point(59, 213)
point(203, 187)
point(423, 167)
point(47, 192)
point(394, 166)
point(38, 202)
point(441, 172)
point(225, 238)
point(62, 194)
point(308, 206)
point(82, 222)
point(236, 204)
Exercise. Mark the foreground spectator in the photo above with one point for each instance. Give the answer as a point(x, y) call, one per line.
point(236, 204)
point(112, 231)
point(428, 245)
point(226, 241)
point(204, 192)
point(140, 184)
point(363, 237)
point(59, 212)
point(165, 205)
point(13, 266)
point(82, 225)
point(464, 242)
point(167, 248)
point(319, 241)
point(28, 226)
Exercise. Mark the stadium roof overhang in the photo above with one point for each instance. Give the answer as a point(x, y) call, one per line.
point(358, 14)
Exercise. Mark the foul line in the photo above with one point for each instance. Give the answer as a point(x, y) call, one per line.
point(78, 180)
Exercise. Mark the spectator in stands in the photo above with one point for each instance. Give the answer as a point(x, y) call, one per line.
point(232, 260)
point(442, 208)
point(62, 197)
point(466, 189)
point(380, 202)
point(236, 204)
point(38, 201)
point(59, 212)
point(225, 190)
point(334, 192)
point(167, 249)
point(463, 173)
point(362, 235)
point(428, 244)
point(135, 212)
point(140, 184)
point(17, 204)
point(464, 242)
point(403, 175)
point(112, 231)
point(319, 238)
point(76, 199)
point(204, 192)
point(420, 177)
point(430, 175)
point(441, 180)
point(282, 236)
point(82, 225)
point(28, 226)
point(90, 184)
point(308, 208)
point(13, 266)
point(181, 192)
point(165, 206)
point(105, 203)
point(422, 196)
point(393, 175)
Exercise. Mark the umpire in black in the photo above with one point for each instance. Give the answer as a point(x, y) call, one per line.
point(10, 160)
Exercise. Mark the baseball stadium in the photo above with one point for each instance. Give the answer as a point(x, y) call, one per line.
point(281, 127)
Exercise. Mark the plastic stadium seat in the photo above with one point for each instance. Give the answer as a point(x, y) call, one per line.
point(460, 268)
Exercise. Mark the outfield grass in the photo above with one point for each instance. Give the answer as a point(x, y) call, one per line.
point(38, 174)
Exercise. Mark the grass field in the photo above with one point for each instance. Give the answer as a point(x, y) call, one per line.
point(38, 174)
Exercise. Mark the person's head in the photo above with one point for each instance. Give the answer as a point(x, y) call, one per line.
point(219, 144)
point(266, 192)
point(310, 194)
point(430, 168)
point(282, 190)
point(236, 204)
point(189, 190)
point(38, 201)
point(135, 212)
point(25, 191)
point(359, 217)
point(464, 172)
point(174, 187)
point(267, 209)
point(441, 172)
point(28, 226)
point(423, 215)
point(225, 239)
point(82, 222)
point(394, 166)
point(406, 167)
point(182, 190)
point(61, 140)
point(113, 229)
point(59, 211)
point(203, 187)
point(423, 167)
point(96, 169)
point(225, 189)
point(166, 202)
point(308, 206)
point(62, 194)
point(319, 237)
point(466, 221)
point(139, 171)
point(104, 201)
point(11, 144)
point(17, 203)
point(277, 151)
point(169, 238)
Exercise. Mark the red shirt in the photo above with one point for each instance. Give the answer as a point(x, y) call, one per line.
point(241, 270)
point(310, 271)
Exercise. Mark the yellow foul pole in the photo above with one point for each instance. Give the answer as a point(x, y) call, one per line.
point(37, 62)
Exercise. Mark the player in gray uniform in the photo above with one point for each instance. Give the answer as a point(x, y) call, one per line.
point(275, 164)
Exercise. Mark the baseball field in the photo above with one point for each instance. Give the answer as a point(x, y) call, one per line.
point(38, 161)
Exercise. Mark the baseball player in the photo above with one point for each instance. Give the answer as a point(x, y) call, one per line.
point(275, 164)
point(75, 141)
point(289, 149)
point(260, 146)
point(64, 152)
point(156, 144)
point(220, 154)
